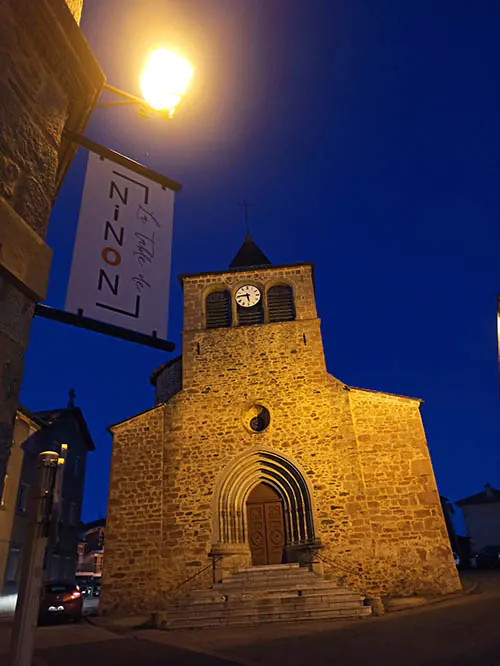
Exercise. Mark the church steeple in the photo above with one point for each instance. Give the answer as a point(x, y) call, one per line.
point(249, 255)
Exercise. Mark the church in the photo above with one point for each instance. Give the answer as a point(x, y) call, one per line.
point(256, 462)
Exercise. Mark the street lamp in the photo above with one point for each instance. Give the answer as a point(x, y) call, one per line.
point(164, 81)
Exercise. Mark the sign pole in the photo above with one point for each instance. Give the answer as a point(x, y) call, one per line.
point(28, 600)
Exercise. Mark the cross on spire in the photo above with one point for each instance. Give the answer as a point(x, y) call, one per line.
point(71, 396)
point(246, 206)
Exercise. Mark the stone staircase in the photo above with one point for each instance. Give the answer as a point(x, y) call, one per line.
point(278, 593)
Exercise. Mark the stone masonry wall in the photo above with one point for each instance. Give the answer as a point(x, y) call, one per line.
point(134, 516)
point(75, 7)
point(49, 80)
point(167, 380)
point(411, 549)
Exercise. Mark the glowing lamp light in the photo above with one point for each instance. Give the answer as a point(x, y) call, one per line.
point(165, 79)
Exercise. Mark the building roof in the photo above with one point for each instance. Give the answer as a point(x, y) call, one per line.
point(227, 271)
point(30, 416)
point(100, 522)
point(488, 496)
point(392, 395)
point(134, 416)
point(156, 373)
point(249, 255)
point(50, 416)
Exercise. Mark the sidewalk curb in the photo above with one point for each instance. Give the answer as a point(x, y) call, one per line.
point(436, 600)
point(121, 624)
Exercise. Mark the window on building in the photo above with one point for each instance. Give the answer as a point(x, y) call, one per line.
point(68, 572)
point(78, 467)
point(55, 567)
point(218, 309)
point(98, 563)
point(280, 304)
point(63, 511)
point(12, 571)
point(22, 498)
point(73, 514)
point(251, 316)
point(3, 501)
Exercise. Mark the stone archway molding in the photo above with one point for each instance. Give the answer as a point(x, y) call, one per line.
point(241, 476)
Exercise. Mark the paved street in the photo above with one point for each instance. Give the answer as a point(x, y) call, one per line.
point(458, 632)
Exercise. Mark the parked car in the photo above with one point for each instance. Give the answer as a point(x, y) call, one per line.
point(60, 600)
point(90, 590)
point(488, 557)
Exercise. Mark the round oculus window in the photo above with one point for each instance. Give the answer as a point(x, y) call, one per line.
point(258, 418)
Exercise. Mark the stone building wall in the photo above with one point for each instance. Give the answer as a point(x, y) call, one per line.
point(482, 522)
point(49, 81)
point(411, 550)
point(167, 380)
point(134, 515)
point(352, 449)
point(75, 7)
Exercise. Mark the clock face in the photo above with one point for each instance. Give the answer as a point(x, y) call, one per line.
point(247, 296)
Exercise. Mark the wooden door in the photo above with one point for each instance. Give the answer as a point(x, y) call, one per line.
point(266, 533)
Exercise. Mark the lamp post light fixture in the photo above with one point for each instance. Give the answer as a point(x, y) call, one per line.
point(164, 81)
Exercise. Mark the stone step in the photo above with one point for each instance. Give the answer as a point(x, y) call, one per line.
point(300, 575)
point(278, 571)
point(346, 597)
point(215, 610)
point(271, 568)
point(279, 593)
point(320, 586)
point(306, 583)
point(253, 618)
point(269, 580)
point(204, 596)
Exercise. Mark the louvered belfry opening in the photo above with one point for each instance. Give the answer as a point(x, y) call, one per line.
point(251, 316)
point(280, 303)
point(218, 309)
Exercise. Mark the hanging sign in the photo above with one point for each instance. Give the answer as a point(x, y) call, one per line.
point(120, 272)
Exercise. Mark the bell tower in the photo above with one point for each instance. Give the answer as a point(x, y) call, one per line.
point(253, 323)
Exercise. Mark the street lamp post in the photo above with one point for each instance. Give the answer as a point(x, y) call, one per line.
point(164, 81)
point(40, 509)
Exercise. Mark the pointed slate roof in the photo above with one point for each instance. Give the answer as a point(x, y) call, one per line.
point(488, 496)
point(249, 256)
point(50, 416)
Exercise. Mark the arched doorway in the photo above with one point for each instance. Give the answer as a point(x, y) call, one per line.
point(236, 483)
point(265, 525)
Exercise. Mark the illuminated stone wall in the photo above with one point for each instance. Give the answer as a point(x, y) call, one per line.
point(75, 7)
point(411, 551)
point(362, 455)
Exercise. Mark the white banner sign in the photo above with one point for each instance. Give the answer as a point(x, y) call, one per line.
point(121, 262)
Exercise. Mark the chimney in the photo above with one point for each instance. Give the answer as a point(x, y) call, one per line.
point(489, 492)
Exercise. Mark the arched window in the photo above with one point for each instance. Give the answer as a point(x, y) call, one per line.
point(218, 309)
point(280, 303)
point(252, 315)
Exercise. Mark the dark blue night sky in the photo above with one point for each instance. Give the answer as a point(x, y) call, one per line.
point(366, 134)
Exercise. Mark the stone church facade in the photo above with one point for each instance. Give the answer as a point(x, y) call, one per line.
point(255, 454)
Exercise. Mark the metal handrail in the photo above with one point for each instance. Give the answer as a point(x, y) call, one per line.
point(352, 572)
point(215, 559)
